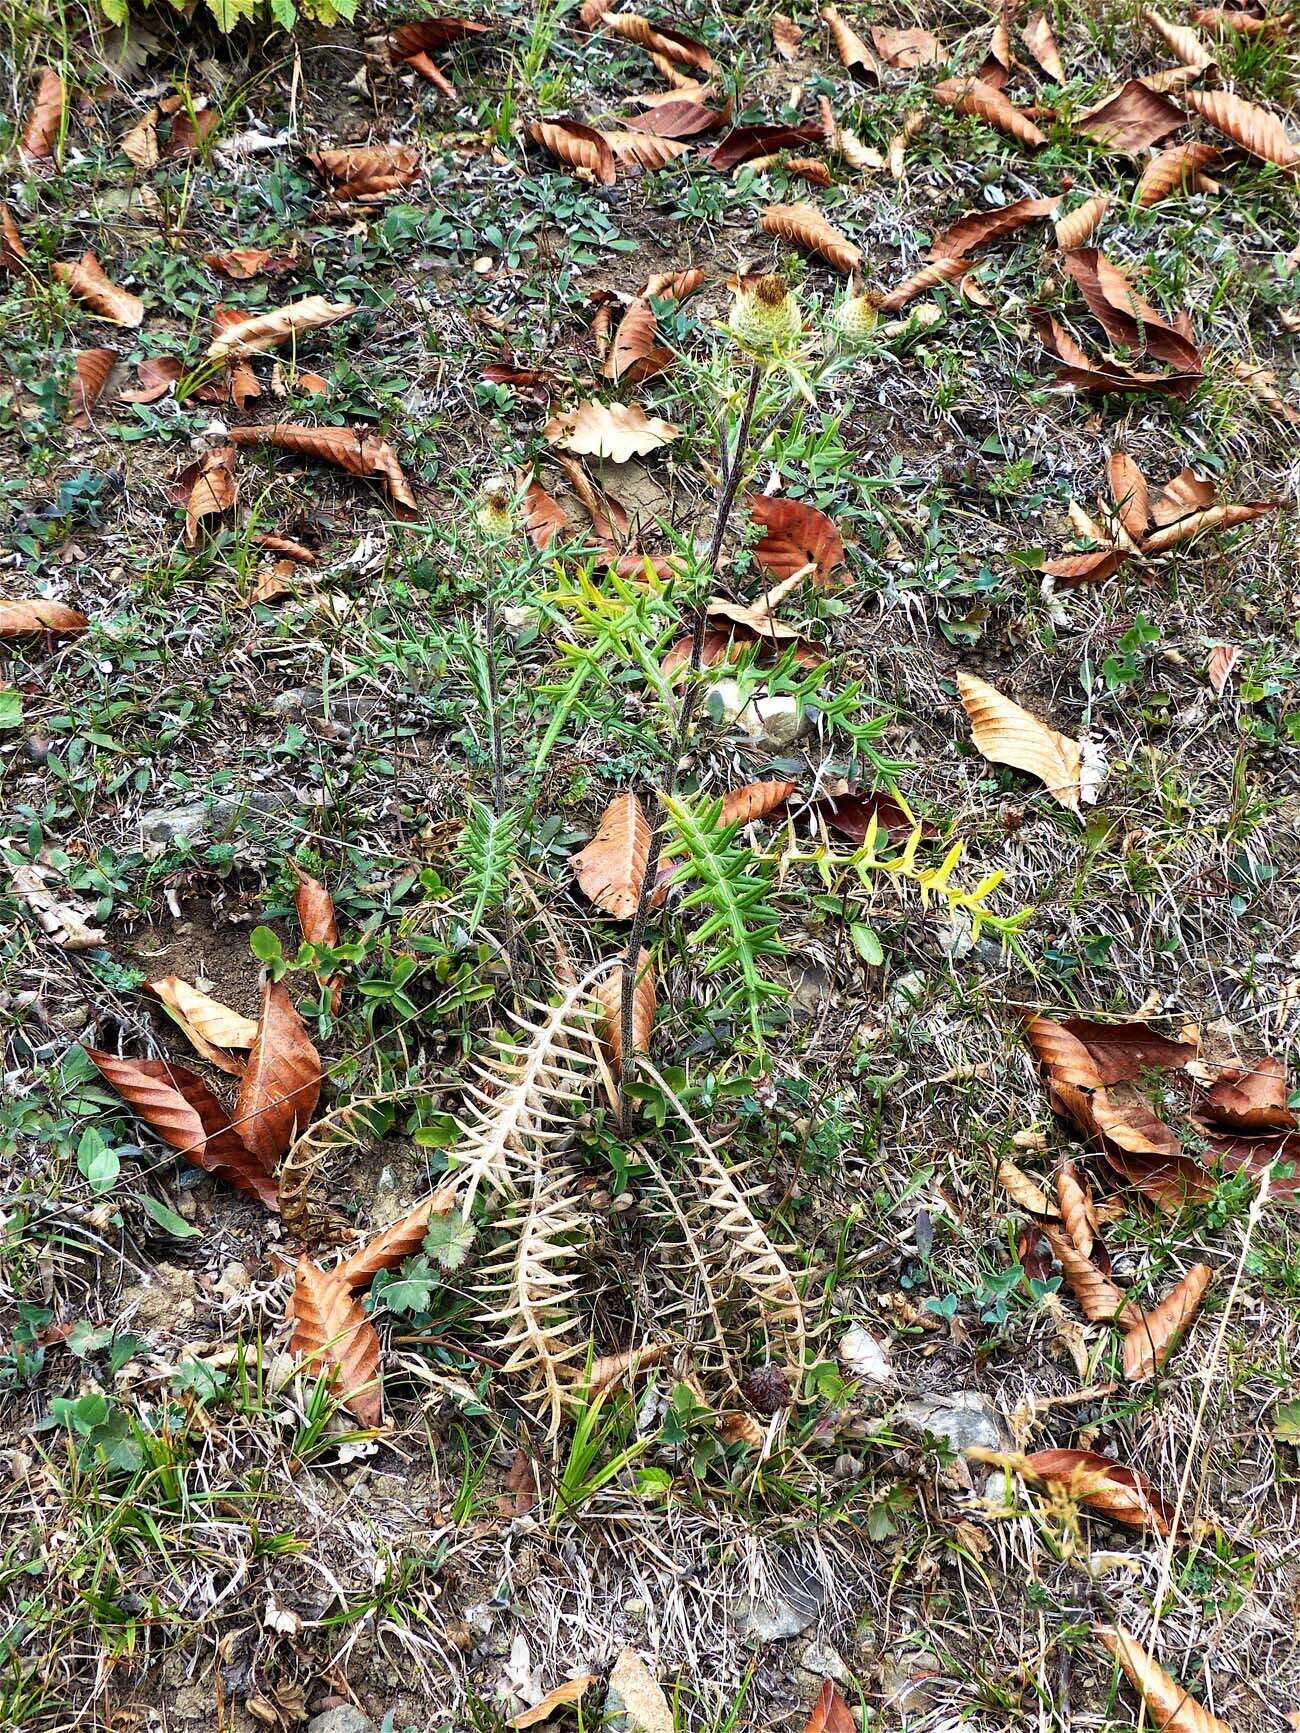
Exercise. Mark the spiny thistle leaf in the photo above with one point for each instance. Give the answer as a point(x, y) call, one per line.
point(486, 850)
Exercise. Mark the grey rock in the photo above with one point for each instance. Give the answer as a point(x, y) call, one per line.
point(823, 1662)
point(305, 701)
point(634, 1703)
point(345, 1719)
point(197, 820)
point(963, 1419)
point(772, 722)
point(793, 1603)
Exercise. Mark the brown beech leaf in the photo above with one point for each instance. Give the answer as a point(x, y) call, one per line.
point(1080, 225)
point(608, 519)
point(920, 282)
point(1099, 1299)
point(609, 1001)
point(1038, 39)
point(90, 375)
point(977, 97)
point(754, 800)
point(659, 39)
point(786, 36)
point(830, 1713)
point(1183, 42)
point(242, 264)
point(1131, 118)
point(367, 173)
point(1172, 1710)
point(332, 1333)
point(1147, 1344)
point(1128, 488)
point(852, 811)
point(617, 431)
point(176, 1103)
point(1218, 670)
point(1124, 315)
point(644, 149)
point(392, 1246)
point(982, 227)
point(41, 133)
point(1121, 1493)
point(1249, 1101)
point(1077, 1211)
point(1078, 372)
point(1006, 734)
point(281, 1083)
point(580, 146)
point(673, 285)
point(1121, 1052)
point(1258, 1155)
point(636, 352)
point(105, 299)
point(612, 865)
point(682, 119)
point(359, 453)
point(795, 536)
point(318, 922)
point(908, 48)
point(1243, 19)
point(1186, 494)
point(213, 491)
point(256, 332)
point(852, 50)
point(12, 249)
point(806, 227)
point(209, 1026)
point(31, 615)
point(744, 143)
point(1072, 571)
point(562, 1696)
point(1023, 1190)
point(1215, 517)
point(429, 35)
point(545, 519)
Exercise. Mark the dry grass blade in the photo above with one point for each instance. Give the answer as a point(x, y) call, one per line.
point(281, 1084)
point(1172, 1710)
point(1080, 225)
point(612, 865)
point(806, 227)
point(41, 132)
point(176, 1103)
point(35, 614)
point(1246, 124)
point(1171, 169)
point(754, 800)
point(920, 282)
point(852, 50)
point(1006, 734)
point(974, 96)
point(609, 998)
point(359, 453)
point(1148, 1344)
point(332, 1334)
point(262, 331)
point(206, 1023)
point(394, 1244)
point(580, 146)
point(86, 280)
point(1183, 42)
point(1123, 1494)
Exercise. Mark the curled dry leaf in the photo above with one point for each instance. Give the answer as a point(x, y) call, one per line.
point(34, 614)
point(806, 227)
point(607, 1369)
point(257, 332)
point(975, 96)
point(213, 490)
point(611, 867)
point(896, 151)
point(853, 813)
point(673, 285)
point(1023, 1190)
point(636, 352)
point(1125, 316)
point(318, 922)
point(563, 1696)
point(852, 50)
point(1183, 42)
point(908, 48)
point(745, 143)
point(1242, 19)
point(391, 1247)
point(580, 146)
point(367, 173)
point(177, 1104)
point(795, 536)
point(786, 36)
point(830, 1713)
point(1223, 659)
point(545, 519)
point(86, 280)
point(996, 66)
point(1216, 517)
point(1250, 1101)
point(1128, 489)
point(12, 248)
point(617, 431)
point(1176, 167)
point(281, 1083)
point(1119, 1052)
point(333, 1335)
point(1131, 118)
point(920, 282)
point(41, 132)
point(644, 150)
point(609, 1000)
point(1077, 1211)
point(1172, 1709)
point(1080, 225)
point(242, 264)
point(90, 375)
point(65, 919)
point(1038, 39)
point(211, 1027)
point(755, 800)
point(429, 35)
point(982, 227)
point(1121, 1493)
point(359, 453)
point(1098, 1297)
point(1006, 734)
point(659, 39)
point(1078, 372)
point(679, 120)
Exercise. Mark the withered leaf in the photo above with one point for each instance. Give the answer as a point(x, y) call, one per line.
point(1131, 119)
point(1124, 1494)
point(1079, 225)
point(1218, 671)
point(636, 352)
point(563, 1696)
point(1077, 1211)
point(1148, 1343)
point(644, 149)
point(1038, 39)
point(31, 615)
point(367, 173)
point(830, 1713)
point(982, 227)
point(977, 97)
point(545, 519)
point(755, 800)
point(1098, 1297)
point(1249, 1101)
point(1182, 41)
point(213, 490)
point(578, 145)
point(242, 264)
point(281, 1083)
point(1121, 1052)
point(609, 1000)
point(795, 536)
point(850, 47)
point(155, 376)
point(659, 40)
point(12, 248)
point(86, 280)
point(391, 1247)
point(1125, 316)
point(786, 36)
point(41, 132)
point(66, 919)
point(1172, 1709)
point(1004, 733)
point(176, 1103)
point(209, 1026)
point(678, 120)
point(852, 812)
point(920, 282)
point(673, 285)
point(318, 922)
point(1215, 517)
point(906, 48)
point(359, 453)
point(611, 867)
point(428, 35)
point(744, 143)
point(617, 431)
point(332, 1333)
point(1078, 372)
point(1129, 490)
point(256, 332)
point(806, 227)
point(90, 375)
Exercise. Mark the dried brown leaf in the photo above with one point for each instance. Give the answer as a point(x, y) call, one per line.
point(86, 280)
point(369, 172)
point(982, 227)
point(673, 285)
point(391, 1247)
point(636, 352)
point(64, 918)
point(563, 1696)
point(332, 1333)
point(795, 536)
point(429, 35)
point(1176, 167)
point(1125, 316)
point(1215, 517)
point(1172, 1710)
point(213, 490)
point(1121, 1493)
point(1249, 1101)
point(281, 1084)
point(851, 813)
point(745, 143)
point(1098, 1297)
point(617, 431)
point(242, 264)
point(1077, 1211)
point(1129, 490)
point(1006, 734)
point(929, 276)
point(977, 97)
point(1223, 659)
point(41, 132)
point(206, 1023)
point(1183, 42)
point(1023, 1190)
point(1241, 19)
point(786, 36)
point(90, 375)
point(359, 453)
point(254, 333)
point(679, 120)
point(1080, 225)
point(31, 615)
point(12, 249)
point(545, 519)
point(609, 999)
point(582, 147)
point(806, 227)
point(612, 865)
point(659, 40)
point(830, 1713)
point(906, 48)
point(1038, 39)
point(1131, 118)
point(1147, 1345)
point(644, 150)
point(852, 50)
point(318, 922)
point(1078, 372)
point(755, 800)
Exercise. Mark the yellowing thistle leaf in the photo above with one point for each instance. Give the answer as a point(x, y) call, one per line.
point(1172, 1710)
point(617, 431)
point(1006, 734)
point(263, 331)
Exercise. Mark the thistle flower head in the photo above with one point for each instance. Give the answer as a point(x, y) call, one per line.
point(765, 317)
point(493, 515)
point(855, 318)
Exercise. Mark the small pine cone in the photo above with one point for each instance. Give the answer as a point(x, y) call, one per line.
point(767, 1389)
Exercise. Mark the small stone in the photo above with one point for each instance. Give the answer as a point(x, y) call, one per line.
point(795, 1600)
point(962, 1419)
point(823, 1661)
point(345, 1719)
point(863, 1356)
point(634, 1703)
point(776, 723)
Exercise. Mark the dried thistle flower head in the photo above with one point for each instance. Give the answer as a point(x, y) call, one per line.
point(493, 516)
point(856, 318)
point(765, 317)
